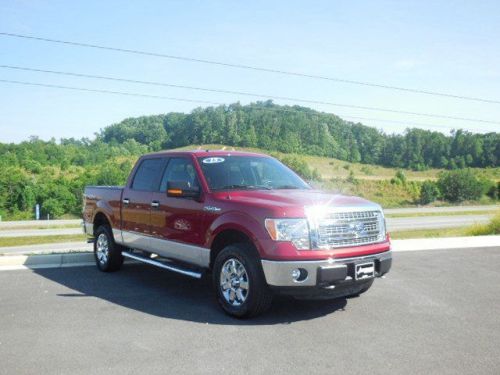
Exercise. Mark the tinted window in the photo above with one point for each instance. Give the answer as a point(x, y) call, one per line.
point(179, 169)
point(248, 172)
point(148, 175)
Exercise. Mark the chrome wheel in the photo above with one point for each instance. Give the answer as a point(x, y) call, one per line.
point(102, 248)
point(234, 283)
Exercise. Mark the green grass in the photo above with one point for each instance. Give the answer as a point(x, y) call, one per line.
point(38, 240)
point(450, 213)
point(429, 233)
point(493, 227)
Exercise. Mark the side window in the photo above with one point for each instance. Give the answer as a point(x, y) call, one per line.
point(179, 169)
point(148, 174)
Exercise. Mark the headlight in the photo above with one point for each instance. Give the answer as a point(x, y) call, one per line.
point(294, 230)
point(381, 225)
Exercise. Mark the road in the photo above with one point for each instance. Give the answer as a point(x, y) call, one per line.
point(38, 223)
point(40, 232)
point(434, 222)
point(435, 313)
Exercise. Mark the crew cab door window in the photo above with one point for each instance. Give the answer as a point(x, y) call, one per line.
point(148, 175)
point(179, 169)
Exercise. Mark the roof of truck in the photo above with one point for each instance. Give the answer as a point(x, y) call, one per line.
point(202, 153)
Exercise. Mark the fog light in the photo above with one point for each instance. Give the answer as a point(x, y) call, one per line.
point(299, 274)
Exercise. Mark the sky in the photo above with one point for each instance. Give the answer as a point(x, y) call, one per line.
point(443, 46)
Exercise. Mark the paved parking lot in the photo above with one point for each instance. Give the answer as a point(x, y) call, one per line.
point(436, 312)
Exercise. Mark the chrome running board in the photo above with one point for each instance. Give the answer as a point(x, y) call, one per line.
point(170, 267)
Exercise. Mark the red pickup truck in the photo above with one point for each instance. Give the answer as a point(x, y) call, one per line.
point(246, 218)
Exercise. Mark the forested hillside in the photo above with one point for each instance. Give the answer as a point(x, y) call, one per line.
point(305, 131)
point(54, 173)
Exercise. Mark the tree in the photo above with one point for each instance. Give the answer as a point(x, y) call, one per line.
point(429, 192)
point(459, 185)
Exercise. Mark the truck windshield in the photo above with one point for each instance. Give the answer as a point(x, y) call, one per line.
point(248, 173)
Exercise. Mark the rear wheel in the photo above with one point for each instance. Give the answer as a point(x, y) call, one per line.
point(239, 282)
point(107, 253)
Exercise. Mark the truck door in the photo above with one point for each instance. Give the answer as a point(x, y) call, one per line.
point(136, 203)
point(177, 222)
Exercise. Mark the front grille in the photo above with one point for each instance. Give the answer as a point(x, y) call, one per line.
point(341, 229)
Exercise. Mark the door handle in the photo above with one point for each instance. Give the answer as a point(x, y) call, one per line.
point(155, 204)
point(126, 201)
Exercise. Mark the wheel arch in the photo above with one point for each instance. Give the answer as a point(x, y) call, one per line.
point(100, 218)
point(228, 237)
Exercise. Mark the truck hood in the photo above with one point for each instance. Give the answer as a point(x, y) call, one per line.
point(292, 203)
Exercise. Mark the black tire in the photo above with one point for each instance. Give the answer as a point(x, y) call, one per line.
point(112, 259)
point(257, 296)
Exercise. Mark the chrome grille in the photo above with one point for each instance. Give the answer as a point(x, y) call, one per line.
point(340, 229)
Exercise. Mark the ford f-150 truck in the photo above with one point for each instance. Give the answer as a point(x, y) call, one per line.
point(250, 221)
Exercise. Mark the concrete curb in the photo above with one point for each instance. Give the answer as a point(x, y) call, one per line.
point(446, 243)
point(17, 262)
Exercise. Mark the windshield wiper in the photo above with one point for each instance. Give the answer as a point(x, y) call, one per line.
point(243, 187)
point(287, 187)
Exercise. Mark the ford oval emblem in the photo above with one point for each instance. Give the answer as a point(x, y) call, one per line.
point(357, 229)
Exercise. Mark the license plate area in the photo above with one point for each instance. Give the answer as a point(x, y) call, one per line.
point(364, 270)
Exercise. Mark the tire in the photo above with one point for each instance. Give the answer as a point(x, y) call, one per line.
point(107, 253)
point(239, 282)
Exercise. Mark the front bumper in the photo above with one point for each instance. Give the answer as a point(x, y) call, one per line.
point(325, 273)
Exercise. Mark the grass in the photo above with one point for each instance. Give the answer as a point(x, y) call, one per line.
point(493, 227)
point(429, 233)
point(38, 240)
point(448, 213)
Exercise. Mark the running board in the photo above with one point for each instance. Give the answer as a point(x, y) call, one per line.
point(183, 271)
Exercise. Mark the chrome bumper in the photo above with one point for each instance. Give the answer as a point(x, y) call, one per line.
point(279, 273)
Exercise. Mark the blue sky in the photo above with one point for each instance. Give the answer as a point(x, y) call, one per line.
point(446, 46)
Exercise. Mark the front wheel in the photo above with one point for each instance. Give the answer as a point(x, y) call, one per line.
point(107, 253)
point(239, 282)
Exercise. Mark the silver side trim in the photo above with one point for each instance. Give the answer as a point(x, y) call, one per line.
point(117, 234)
point(196, 275)
point(133, 239)
point(192, 254)
point(278, 273)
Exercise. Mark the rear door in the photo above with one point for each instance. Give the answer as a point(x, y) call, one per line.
point(136, 203)
point(177, 222)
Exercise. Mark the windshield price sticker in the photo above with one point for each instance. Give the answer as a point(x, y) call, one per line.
point(213, 160)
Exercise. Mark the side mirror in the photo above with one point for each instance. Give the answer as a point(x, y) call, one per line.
point(182, 189)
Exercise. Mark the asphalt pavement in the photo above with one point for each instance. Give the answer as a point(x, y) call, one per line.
point(434, 222)
point(435, 313)
point(40, 232)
